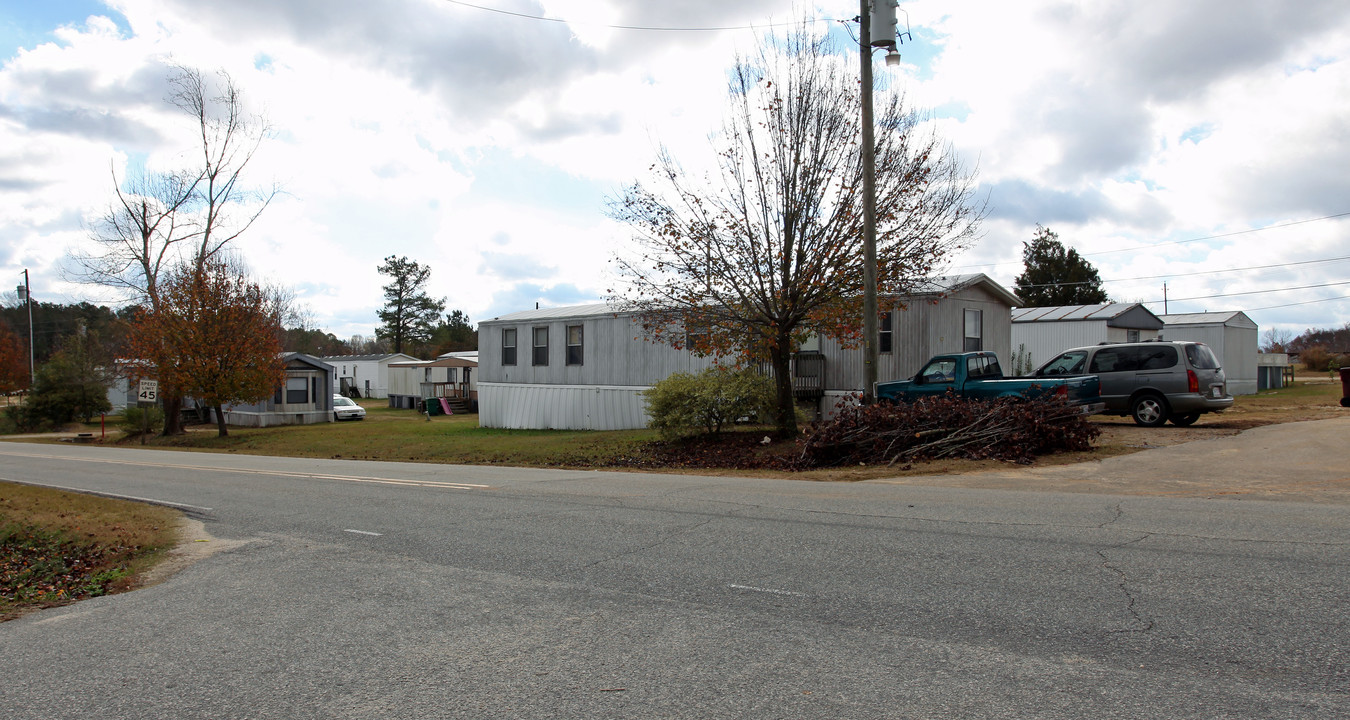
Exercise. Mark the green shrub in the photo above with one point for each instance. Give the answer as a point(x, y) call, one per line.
point(685, 404)
point(1316, 359)
point(20, 419)
point(1021, 361)
point(66, 390)
point(135, 418)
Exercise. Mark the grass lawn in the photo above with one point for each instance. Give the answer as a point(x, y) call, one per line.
point(406, 435)
point(58, 547)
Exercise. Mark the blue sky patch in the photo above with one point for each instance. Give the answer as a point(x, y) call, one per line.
point(27, 23)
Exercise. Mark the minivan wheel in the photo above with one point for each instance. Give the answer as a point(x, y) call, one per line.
point(1184, 420)
point(1149, 411)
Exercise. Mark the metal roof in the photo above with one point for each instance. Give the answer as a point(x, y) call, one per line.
point(366, 358)
point(934, 286)
point(559, 313)
point(1064, 313)
point(442, 362)
point(1234, 317)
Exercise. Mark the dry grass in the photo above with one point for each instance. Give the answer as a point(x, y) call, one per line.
point(57, 547)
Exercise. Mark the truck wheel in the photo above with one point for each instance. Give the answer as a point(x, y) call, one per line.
point(1184, 420)
point(1149, 411)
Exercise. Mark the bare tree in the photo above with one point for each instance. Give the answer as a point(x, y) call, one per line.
point(224, 207)
point(753, 261)
point(137, 236)
point(186, 216)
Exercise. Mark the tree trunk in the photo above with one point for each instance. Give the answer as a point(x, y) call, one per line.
point(173, 414)
point(220, 422)
point(785, 408)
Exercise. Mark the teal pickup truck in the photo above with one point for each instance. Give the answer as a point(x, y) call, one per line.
point(978, 375)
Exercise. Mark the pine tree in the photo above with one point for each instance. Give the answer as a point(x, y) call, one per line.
point(1054, 276)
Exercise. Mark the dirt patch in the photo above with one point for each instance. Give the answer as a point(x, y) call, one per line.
point(194, 544)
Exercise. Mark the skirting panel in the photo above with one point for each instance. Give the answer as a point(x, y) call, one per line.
point(561, 407)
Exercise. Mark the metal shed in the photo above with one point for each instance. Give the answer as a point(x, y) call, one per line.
point(1232, 336)
point(1044, 332)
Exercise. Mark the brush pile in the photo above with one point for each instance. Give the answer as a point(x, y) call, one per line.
point(1009, 429)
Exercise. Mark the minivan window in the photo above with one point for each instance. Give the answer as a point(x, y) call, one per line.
point(1114, 360)
point(1132, 358)
point(1201, 357)
point(1159, 357)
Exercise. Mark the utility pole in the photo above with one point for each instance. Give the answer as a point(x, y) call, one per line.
point(884, 13)
point(26, 294)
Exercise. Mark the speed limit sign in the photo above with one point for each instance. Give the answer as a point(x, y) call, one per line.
point(148, 392)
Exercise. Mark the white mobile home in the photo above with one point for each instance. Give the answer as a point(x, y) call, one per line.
point(367, 375)
point(446, 377)
point(585, 367)
point(1232, 336)
point(1044, 332)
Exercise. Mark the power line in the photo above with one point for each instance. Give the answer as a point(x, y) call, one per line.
point(1305, 302)
point(649, 28)
point(1177, 242)
point(1221, 235)
point(1255, 292)
point(1192, 274)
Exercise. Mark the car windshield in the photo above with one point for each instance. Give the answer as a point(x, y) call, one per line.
point(1201, 357)
point(342, 402)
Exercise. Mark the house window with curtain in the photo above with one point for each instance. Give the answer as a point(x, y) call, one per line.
point(574, 345)
point(885, 334)
point(540, 346)
point(509, 346)
point(297, 391)
point(974, 331)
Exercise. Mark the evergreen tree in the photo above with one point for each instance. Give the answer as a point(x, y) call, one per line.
point(1054, 276)
point(409, 315)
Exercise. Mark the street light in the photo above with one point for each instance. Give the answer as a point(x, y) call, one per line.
point(882, 13)
point(26, 296)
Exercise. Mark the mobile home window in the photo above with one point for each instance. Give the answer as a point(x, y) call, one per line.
point(509, 346)
point(974, 333)
point(886, 337)
point(573, 344)
point(297, 391)
point(540, 346)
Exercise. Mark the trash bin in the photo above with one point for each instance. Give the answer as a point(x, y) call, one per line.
point(433, 406)
point(1345, 387)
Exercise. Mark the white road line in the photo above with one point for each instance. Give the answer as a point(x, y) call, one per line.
point(766, 590)
point(283, 473)
point(363, 532)
point(115, 496)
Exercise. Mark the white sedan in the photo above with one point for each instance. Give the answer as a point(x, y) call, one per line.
point(344, 408)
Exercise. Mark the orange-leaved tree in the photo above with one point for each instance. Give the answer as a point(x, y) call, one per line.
point(213, 336)
point(14, 369)
point(751, 258)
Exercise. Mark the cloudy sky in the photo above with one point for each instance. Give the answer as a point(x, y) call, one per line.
point(1203, 144)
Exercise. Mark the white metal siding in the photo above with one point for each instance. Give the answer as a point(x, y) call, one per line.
point(1045, 340)
point(561, 407)
point(1235, 347)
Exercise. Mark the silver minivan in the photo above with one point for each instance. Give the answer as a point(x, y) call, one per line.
point(1153, 382)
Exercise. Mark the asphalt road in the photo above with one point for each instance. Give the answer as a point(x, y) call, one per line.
point(382, 590)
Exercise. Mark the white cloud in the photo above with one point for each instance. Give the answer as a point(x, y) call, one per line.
point(484, 144)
